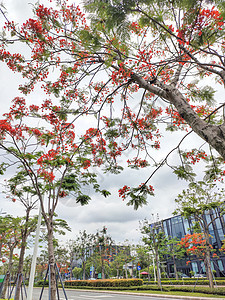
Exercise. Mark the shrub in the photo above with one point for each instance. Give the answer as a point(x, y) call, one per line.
point(41, 282)
point(198, 289)
point(105, 283)
point(188, 282)
point(190, 289)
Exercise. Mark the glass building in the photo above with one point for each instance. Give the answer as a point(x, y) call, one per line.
point(178, 227)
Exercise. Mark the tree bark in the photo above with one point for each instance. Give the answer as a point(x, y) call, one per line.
point(208, 260)
point(214, 135)
point(157, 268)
point(51, 259)
point(24, 235)
point(8, 274)
point(175, 267)
point(84, 268)
point(103, 268)
point(20, 270)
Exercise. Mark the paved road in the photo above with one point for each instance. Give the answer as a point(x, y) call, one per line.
point(86, 295)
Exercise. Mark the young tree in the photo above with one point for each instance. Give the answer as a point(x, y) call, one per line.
point(25, 195)
point(155, 240)
point(148, 63)
point(77, 273)
point(12, 240)
point(144, 258)
point(197, 202)
point(48, 160)
point(176, 252)
point(70, 245)
point(118, 263)
point(103, 243)
point(82, 247)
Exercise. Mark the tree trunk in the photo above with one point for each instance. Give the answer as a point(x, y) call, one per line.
point(24, 235)
point(157, 269)
point(84, 269)
point(6, 282)
point(208, 260)
point(175, 268)
point(126, 270)
point(8, 274)
point(212, 134)
point(51, 260)
point(20, 270)
point(103, 268)
point(149, 273)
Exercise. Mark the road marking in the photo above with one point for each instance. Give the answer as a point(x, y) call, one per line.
point(94, 296)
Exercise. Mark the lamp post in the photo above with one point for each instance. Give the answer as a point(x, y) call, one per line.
point(34, 258)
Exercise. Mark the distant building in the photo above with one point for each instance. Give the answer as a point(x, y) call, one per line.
point(178, 227)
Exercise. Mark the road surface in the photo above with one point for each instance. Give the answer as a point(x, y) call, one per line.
point(89, 295)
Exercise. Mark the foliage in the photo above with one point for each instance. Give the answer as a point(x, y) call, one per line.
point(82, 246)
point(156, 242)
point(189, 281)
point(77, 273)
point(200, 198)
point(105, 283)
point(128, 70)
point(195, 244)
point(41, 171)
point(197, 202)
point(102, 246)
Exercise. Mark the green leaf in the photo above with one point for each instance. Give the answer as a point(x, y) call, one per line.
point(105, 193)
point(83, 199)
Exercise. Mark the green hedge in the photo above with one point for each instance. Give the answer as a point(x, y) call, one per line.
point(105, 283)
point(192, 282)
point(184, 279)
point(187, 282)
point(41, 282)
point(197, 289)
point(189, 289)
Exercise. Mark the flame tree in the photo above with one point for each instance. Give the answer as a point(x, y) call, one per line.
point(47, 159)
point(137, 78)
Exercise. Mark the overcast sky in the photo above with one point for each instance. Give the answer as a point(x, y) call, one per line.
point(121, 221)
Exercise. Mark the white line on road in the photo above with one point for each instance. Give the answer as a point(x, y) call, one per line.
point(94, 296)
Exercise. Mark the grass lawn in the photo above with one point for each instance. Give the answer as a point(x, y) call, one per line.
point(178, 293)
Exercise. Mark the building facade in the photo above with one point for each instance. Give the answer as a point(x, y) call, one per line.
point(178, 227)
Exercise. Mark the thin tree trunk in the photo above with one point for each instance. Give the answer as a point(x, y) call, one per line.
point(157, 269)
point(22, 254)
point(6, 282)
point(208, 268)
point(149, 273)
point(103, 269)
point(51, 260)
point(208, 260)
point(175, 268)
point(126, 270)
point(20, 270)
point(84, 269)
